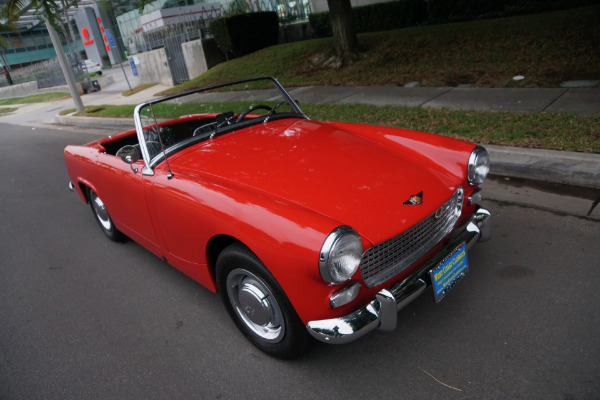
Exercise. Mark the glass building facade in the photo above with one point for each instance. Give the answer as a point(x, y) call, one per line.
point(31, 43)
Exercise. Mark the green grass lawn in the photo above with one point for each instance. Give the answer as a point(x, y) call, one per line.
point(546, 48)
point(557, 131)
point(6, 110)
point(137, 89)
point(36, 98)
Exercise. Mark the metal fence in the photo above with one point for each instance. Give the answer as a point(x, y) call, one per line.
point(190, 28)
point(197, 26)
point(47, 73)
point(287, 11)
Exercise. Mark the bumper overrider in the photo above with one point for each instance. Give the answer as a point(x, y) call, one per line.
point(381, 312)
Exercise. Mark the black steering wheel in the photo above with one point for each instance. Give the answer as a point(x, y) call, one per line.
point(252, 108)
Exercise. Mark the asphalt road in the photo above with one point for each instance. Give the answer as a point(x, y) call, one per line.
point(84, 318)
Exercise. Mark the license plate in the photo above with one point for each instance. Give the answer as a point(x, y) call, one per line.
point(449, 271)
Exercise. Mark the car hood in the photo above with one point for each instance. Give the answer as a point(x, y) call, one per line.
point(351, 179)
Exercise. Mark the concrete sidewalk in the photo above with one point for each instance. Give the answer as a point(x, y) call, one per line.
point(574, 100)
point(563, 99)
point(490, 99)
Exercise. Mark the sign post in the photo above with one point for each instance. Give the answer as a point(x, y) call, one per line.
point(111, 42)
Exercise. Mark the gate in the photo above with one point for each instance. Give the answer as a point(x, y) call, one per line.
point(175, 59)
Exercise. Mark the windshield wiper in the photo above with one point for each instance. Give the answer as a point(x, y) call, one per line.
point(270, 113)
point(223, 119)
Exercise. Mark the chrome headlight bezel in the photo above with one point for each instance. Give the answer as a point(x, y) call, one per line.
point(340, 255)
point(478, 166)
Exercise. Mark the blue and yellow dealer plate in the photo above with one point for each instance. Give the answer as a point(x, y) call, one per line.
point(449, 271)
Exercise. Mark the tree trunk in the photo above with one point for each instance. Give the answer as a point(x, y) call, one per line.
point(71, 44)
point(345, 42)
point(64, 64)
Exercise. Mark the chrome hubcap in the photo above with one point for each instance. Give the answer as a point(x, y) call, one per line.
point(100, 210)
point(256, 306)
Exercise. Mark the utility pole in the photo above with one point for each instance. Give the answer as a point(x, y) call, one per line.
point(66, 68)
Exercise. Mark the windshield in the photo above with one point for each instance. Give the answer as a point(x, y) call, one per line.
point(169, 124)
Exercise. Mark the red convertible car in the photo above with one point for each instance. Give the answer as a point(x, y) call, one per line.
point(307, 229)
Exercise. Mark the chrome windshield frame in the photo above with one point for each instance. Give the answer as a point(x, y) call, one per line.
point(139, 127)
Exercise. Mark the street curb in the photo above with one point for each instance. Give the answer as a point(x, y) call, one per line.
point(118, 124)
point(564, 167)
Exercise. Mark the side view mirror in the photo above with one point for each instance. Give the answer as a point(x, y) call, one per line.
point(129, 154)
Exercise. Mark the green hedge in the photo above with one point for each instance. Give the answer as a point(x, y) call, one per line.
point(460, 10)
point(376, 17)
point(242, 34)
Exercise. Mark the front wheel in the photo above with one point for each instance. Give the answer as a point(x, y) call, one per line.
point(103, 218)
point(257, 304)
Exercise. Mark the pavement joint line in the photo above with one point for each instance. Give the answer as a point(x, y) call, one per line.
point(436, 97)
point(555, 100)
point(353, 94)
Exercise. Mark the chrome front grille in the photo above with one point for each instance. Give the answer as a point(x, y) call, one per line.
point(386, 260)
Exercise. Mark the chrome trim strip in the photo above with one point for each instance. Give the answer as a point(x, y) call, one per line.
point(140, 134)
point(382, 311)
point(71, 186)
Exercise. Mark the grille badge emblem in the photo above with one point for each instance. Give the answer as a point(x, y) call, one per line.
point(415, 199)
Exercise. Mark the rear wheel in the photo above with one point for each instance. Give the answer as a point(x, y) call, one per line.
point(257, 304)
point(103, 218)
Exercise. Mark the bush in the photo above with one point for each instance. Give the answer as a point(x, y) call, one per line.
point(392, 15)
point(242, 34)
point(320, 23)
point(376, 17)
point(462, 10)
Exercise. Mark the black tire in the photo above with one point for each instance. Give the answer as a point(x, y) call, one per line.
point(103, 218)
point(257, 304)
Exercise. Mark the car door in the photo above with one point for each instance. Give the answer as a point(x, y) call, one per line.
point(124, 189)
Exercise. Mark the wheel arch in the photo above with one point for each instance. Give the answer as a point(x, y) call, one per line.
point(83, 188)
point(215, 246)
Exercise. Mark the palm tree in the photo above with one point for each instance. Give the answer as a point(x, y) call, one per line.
point(49, 12)
point(4, 29)
point(46, 10)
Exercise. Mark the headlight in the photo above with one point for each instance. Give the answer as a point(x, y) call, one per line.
point(479, 166)
point(340, 255)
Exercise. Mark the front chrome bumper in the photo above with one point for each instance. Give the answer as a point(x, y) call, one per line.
point(382, 312)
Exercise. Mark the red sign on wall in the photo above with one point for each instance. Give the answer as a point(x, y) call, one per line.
point(86, 36)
